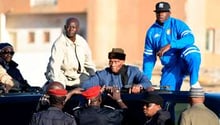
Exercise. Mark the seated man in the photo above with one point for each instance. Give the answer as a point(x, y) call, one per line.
point(119, 75)
point(6, 55)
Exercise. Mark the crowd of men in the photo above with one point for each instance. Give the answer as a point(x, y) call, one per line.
point(71, 71)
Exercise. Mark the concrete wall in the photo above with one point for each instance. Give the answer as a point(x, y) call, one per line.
point(105, 23)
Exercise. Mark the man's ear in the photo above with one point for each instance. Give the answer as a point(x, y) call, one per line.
point(77, 29)
point(64, 102)
point(100, 99)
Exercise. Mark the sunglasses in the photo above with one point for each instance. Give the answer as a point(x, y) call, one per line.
point(148, 105)
point(8, 52)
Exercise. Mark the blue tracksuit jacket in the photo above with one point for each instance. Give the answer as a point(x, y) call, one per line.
point(182, 59)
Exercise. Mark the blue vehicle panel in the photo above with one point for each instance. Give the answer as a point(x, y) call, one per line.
point(17, 108)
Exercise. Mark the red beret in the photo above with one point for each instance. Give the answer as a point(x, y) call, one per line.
point(57, 92)
point(91, 92)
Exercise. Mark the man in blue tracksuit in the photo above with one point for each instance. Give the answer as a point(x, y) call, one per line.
point(173, 42)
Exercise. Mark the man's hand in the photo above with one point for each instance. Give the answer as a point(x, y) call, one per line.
point(150, 89)
point(72, 92)
point(108, 89)
point(136, 88)
point(163, 50)
point(116, 95)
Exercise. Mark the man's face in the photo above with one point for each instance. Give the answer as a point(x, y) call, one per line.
point(7, 54)
point(115, 64)
point(150, 109)
point(71, 28)
point(162, 16)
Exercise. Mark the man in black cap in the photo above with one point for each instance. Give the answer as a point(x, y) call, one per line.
point(173, 42)
point(198, 113)
point(153, 111)
point(119, 75)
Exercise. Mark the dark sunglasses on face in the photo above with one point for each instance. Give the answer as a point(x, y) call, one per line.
point(8, 52)
point(148, 105)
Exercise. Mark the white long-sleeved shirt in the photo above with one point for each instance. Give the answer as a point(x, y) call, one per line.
point(63, 61)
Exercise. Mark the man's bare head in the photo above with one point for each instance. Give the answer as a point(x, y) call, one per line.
point(55, 85)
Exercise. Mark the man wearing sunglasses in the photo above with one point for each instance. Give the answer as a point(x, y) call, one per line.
point(153, 111)
point(6, 55)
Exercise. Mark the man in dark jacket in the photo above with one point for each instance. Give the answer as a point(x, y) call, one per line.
point(6, 55)
point(153, 111)
point(54, 114)
point(95, 114)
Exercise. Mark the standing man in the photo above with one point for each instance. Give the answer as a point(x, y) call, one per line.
point(71, 61)
point(119, 75)
point(54, 114)
point(95, 114)
point(198, 113)
point(173, 42)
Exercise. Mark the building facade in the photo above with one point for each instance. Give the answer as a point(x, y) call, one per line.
point(33, 25)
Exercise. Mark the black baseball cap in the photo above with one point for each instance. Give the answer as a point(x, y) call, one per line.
point(162, 7)
point(153, 98)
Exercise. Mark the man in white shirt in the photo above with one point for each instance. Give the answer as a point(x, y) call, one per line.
point(71, 60)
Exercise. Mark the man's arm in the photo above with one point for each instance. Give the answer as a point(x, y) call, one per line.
point(55, 62)
point(6, 79)
point(149, 57)
point(92, 81)
point(185, 36)
point(140, 81)
point(89, 65)
point(183, 119)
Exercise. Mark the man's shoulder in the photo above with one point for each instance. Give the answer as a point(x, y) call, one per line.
point(80, 39)
point(77, 108)
point(190, 110)
point(91, 108)
point(68, 115)
point(176, 20)
point(104, 71)
point(107, 107)
point(163, 114)
point(153, 28)
point(132, 67)
point(61, 40)
point(40, 113)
